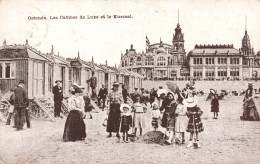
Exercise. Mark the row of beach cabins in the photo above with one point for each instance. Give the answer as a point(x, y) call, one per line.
point(41, 70)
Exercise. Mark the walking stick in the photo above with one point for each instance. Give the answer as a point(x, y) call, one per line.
point(195, 144)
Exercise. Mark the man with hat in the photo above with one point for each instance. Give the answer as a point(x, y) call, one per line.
point(58, 97)
point(102, 96)
point(20, 104)
point(93, 84)
point(113, 122)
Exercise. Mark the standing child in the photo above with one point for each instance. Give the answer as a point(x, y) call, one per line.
point(180, 114)
point(139, 111)
point(155, 115)
point(88, 106)
point(194, 124)
point(215, 106)
point(126, 121)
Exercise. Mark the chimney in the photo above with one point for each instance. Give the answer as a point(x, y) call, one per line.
point(126, 50)
point(92, 59)
point(106, 62)
point(58, 53)
point(131, 46)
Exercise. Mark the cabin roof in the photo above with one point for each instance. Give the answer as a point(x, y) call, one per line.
point(20, 53)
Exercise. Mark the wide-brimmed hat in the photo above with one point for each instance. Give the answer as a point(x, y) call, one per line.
point(190, 102)
point(250, 84)
point(170, 92)
point(213, 91)
point(125, 106)
point(161, 91)
point(21, 82)
point(58, 81)
point(116, 84)
point(155, 103)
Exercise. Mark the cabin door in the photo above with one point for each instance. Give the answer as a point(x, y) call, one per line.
point(38, 80)
point(63, 77)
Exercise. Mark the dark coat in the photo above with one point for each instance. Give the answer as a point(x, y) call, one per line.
point(214, 105)
point(125, 93)
point(12, 99)
point(102, 93)
point(93, 82)
point(58, 93)
point(21, 97)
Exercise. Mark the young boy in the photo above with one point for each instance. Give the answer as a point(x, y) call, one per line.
point(139, 111)
point(126, 121)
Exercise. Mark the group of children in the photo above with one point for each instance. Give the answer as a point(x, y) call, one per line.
point(184, 116)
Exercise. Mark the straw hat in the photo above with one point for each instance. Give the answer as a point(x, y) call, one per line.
point(125, 106)
point(250, 84)
point(155, 103)
point(190, 102)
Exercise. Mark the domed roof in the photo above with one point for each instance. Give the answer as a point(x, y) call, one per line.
point(161, 50)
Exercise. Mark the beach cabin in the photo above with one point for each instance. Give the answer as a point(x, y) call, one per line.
point(22, 62)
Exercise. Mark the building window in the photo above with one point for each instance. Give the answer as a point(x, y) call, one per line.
point(131, 61)
point(173, 73)
point(209, 72)
point(181, 59)
point(222, 72)
point(200, 60)
point(213, 61)
point(161, 61)
point(149, 60)
point(138, 61)
point(125, 63)
point(237, 60)
point(207, 61)
point(197, 73)
point(194, 61)
point(218, 60)
point(7, 70)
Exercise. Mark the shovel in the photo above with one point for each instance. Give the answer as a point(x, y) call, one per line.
point(195, 144)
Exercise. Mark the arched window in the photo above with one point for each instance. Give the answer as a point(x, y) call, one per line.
point(125, 63)
point(207, 61)
point(149, 60)
point(131, 61)
point(161, 61)
point(173, 73)
point(139, 61)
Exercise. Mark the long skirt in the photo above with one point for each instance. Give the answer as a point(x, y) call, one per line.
point(75, 128)
point(168, 121)
point(214, 109)
point(113, 121)
point(250, 110)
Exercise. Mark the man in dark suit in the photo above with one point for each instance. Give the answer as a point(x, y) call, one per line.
point(93, 84)
point(102, 96)
point(58, 97)
point(20, 104)
point(124, 93)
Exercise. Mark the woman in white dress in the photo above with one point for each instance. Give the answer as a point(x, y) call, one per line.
point(74, 126)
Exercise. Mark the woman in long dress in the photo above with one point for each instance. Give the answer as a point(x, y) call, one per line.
point(168, 120)
point(74, 126)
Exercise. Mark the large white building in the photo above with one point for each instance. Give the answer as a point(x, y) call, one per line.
point(160, 61)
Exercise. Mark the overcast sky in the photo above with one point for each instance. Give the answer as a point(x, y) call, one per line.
point(202, 22)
